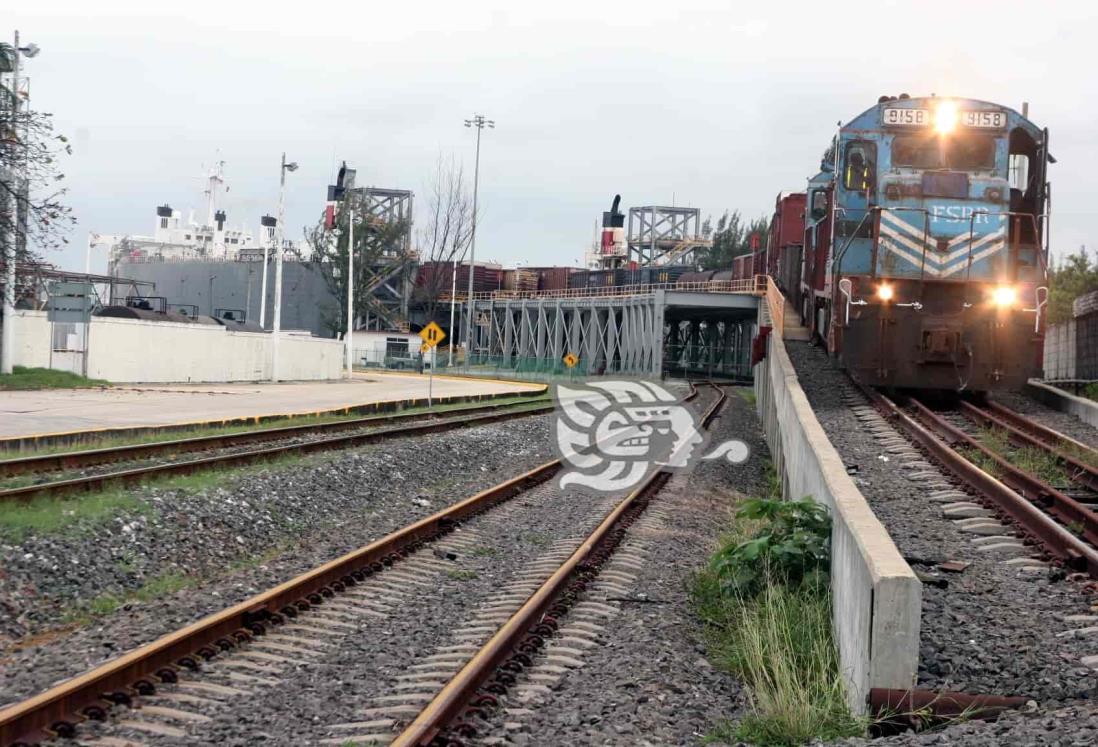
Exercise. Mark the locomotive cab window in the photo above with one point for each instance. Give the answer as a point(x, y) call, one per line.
point(819, 204)
point(959, 151)
point(859, 165)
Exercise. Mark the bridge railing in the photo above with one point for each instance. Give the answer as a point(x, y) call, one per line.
point(775, 304)
point(756, 286)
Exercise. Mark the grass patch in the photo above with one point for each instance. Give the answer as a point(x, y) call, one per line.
point(747, 393)
point(47, 515)
point(774, 633)
point(1029, 459)
point(114, 441)
point(483, 552)
point(538, 539)
point(106, 603)
point(461, 574)
point(23, 378)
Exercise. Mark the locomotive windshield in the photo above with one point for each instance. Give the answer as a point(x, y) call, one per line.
point(959, 151)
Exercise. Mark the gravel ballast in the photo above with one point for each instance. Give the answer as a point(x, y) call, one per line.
point(235, 539)
point(648, 682)
point(994, 629)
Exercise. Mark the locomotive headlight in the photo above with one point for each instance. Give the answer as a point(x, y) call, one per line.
point(884, 292)
point(945, 118)
point(1004, 296)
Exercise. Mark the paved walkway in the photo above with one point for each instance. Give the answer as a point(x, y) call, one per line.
point(66, 410)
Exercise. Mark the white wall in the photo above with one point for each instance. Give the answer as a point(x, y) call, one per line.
point(876, 597)
point(369, 347)
point(32, 339)
point(131, 350)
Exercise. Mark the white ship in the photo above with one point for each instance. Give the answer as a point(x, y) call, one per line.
point(177, 240)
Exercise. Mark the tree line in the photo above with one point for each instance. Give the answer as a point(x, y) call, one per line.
point(732, 238)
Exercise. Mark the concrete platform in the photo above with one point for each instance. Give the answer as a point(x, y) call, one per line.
point(58, 411)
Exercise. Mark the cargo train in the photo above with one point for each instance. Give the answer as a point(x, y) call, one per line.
point(918, 253)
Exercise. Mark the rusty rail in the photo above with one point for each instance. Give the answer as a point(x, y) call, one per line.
point(129, 476)
point(91, 457)
point(1078, 471)
point(906, 709)
point(508, 642)
point(1055, 438)
point(57, 710)
point(1056, 539)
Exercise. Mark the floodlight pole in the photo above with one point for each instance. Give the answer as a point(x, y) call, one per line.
point(277, 329)
point(479, 121)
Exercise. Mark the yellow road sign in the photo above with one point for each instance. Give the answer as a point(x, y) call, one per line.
point(423, 348)
point(571, 360)
point(432, 335)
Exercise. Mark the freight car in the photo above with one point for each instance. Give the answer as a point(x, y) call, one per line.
point(923, 255)
point(623, 276)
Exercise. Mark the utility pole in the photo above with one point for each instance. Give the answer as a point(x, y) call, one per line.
point(349, 337)
point(9, 197)
point(277, 330)
point(480, 122)
point(453, 305)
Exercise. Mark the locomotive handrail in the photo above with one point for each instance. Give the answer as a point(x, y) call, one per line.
point(838, 264)
point(971, 240)
point(1039, 303)
point(925, 242)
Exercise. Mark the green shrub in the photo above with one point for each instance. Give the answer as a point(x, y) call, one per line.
point(791, 543)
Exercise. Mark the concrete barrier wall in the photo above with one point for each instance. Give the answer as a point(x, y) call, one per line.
point(131, 350)
point(876, 598)
point(1060, 351)
point(135, 350)
point(1081, 407)
point(32, 339)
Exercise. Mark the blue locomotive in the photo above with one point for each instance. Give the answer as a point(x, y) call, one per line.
point(925, 246)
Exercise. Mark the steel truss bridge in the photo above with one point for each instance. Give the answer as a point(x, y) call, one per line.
point(652, 331)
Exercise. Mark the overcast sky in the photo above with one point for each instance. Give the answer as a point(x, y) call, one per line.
point(708, 104)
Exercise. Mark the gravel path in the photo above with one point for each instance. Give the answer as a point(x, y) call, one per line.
point(648, 682)
point(995, 628)
point(1063, 422)
point(230, 536)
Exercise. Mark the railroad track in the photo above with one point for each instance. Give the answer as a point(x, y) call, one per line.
point(296, 439)
point(1052, 516)
point(267, 628)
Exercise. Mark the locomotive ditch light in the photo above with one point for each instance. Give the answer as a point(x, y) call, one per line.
point(945, 118)
point(1004, 296)
point(885, 292)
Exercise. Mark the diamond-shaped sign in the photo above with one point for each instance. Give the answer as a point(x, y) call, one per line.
point(571, 360)
point(432, 335)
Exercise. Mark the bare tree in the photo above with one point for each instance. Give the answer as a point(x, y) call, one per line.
point(31, 209)
point(443, 236)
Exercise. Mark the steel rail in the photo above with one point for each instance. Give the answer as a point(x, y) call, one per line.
point(91, 457)
point(503, 646)
point(125, 477)
point(906, 709)
point(1065, 508)
point(1056, 539)
point(57, 710)
point(1059, 440)
point(1078, 471)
